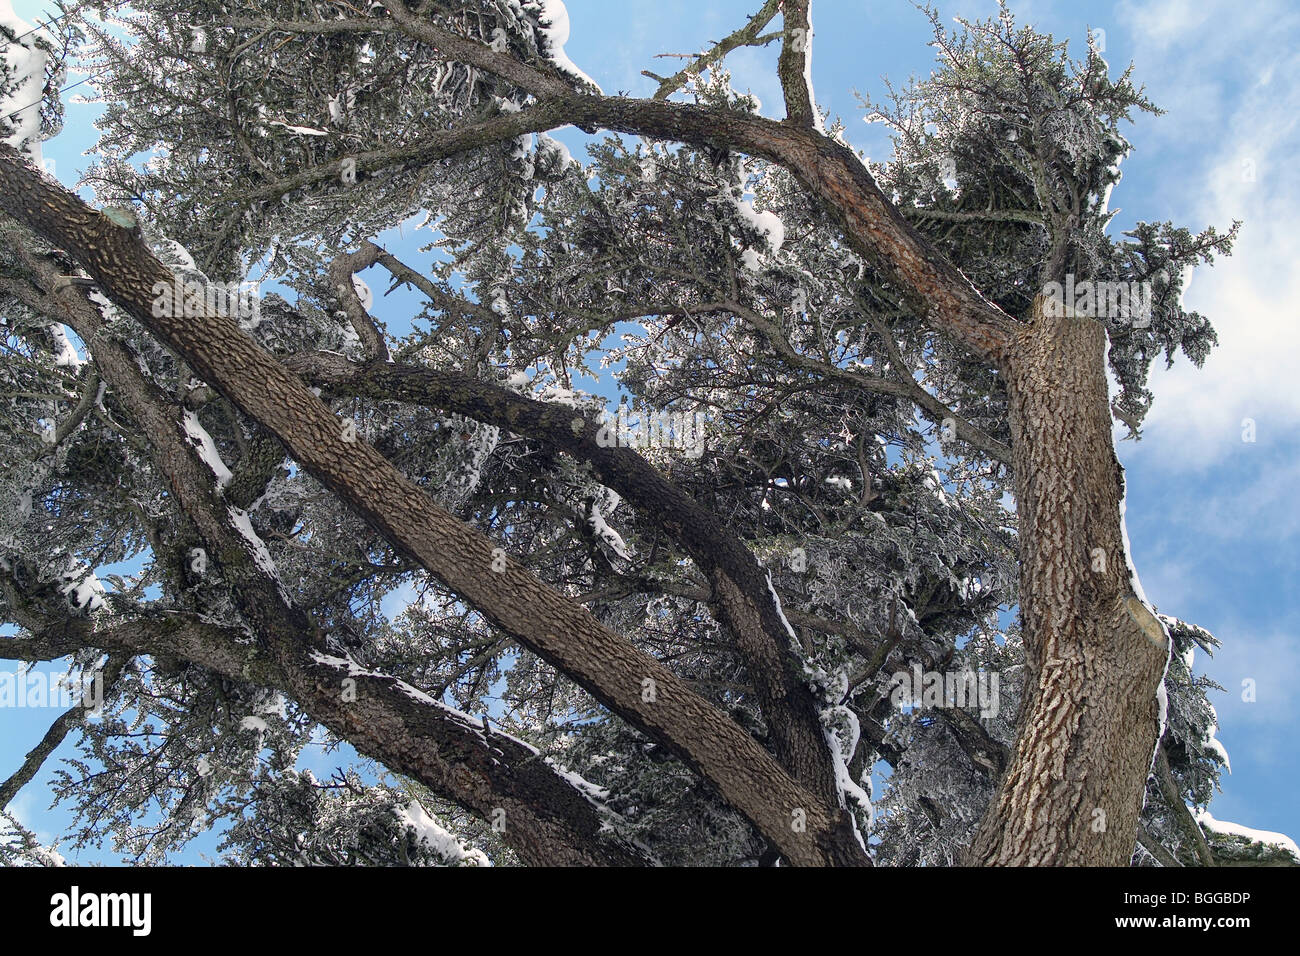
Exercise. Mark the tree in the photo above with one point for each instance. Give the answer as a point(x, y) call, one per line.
point(695, 631)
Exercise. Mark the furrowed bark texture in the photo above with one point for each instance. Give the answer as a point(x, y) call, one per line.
point(795, 51)
point(1095, 655)
point(630, 683)
point(741, 596)
point(548, 820)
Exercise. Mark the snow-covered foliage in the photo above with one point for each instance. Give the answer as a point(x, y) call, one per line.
point(19, 846)
point(1239, 845)
point(694, 280)
point(294, 819)
point(1006, 158)
point(31, 70)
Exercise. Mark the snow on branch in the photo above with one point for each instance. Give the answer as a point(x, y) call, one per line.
point(795, 66)
point(23, 64)
point(553, 18)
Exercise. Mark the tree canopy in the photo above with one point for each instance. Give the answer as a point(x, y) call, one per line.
point(664, 624)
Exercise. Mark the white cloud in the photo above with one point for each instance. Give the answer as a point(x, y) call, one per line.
point(1253, 297)
point(1169, 581)
point(1272, 662)
point(1251, 498)
point(1165, 22)
point(31, 813)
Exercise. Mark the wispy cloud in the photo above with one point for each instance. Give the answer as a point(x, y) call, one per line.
point(1230, 137)
point(1167, 22)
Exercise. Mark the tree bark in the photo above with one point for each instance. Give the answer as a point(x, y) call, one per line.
point(740, 594)
point(1095, 652)
point(548, 821)
point(634, 685)
point(1095, 655)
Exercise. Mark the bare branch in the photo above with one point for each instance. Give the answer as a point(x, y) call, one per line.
point(740, 591)
point(542, 83)
point(986, 215)
point(63, 725)
point(341, 271)
point(748, 35)
point(553, 821)
point(904, 387)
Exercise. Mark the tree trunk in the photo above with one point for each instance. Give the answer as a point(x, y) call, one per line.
point(1095, 654)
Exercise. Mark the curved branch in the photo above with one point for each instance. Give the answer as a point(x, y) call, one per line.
point(829, 170)
point(341, 271)
point(564, 634)
point(550, 820)
point(740, 592)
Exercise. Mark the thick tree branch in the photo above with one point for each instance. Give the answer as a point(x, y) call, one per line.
point(795, 63)
point(986, 215)
point(341, 271)
point(552, 626)
point(1154, 847)
point(829, 170)
point(553, 822)
point(257, 467)
point(740, 591)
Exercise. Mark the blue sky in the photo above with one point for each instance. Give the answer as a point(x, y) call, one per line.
point(1212, 519)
